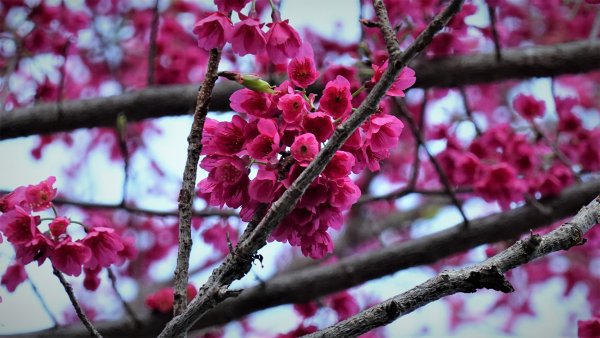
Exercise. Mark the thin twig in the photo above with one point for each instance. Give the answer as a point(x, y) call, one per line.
point(126, 306)
point(236, 266)
point(187, 192)
point(468, 111)
point(403, 111)
point(152, 51)
point(43, 302)
point(486, 275)
point(495, 36)
point(69, 289)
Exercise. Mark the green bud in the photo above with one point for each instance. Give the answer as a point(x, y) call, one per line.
point(256, 84)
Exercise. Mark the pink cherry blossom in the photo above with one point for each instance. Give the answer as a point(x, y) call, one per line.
point(251, 102)
point(528, 107)
point(104, 244)
point(318, 124)
point(91, 281)
point(58, 226)
point(266, 144)
point(305, 148)
point(316, 245)
point(19, 226)
point(15, 275)
point(283, 42)
point(262, 187)
point(213, 31)
point(227, 137)
point(38, 248)
point(69, 257)
point(227, 181)
point(337, 98)
point(40, 196)
point(340, 165)
point(403, 81)
point(248, 38)
point(293, 107)
point(302, 71)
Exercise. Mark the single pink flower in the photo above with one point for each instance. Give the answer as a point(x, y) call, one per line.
point(15, 275)
point(316, 245)
point(343, 193)
point(251, 102)
point(19, 226)
point(528, 107)
point(58, 226)
point(318, 124)
point(104, 244)
point(337, 98)
point(263, 186)
point(39, 248)
point(302, 71)
point(293, 107)
point(382, 132)
point(403, 81)
point(226, 6)
point(227, 181)
point(69, 257)
point(305, 148)
point(91, 281)
point(266, 144)
point(213, 31)
point(40, 196)
point(248, 38)
point(283, 42)
point(340, 165)
point(227, 137)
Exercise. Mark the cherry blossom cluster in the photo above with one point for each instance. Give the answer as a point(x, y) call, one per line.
point(281, 41)
point(100, 248)
point(281, 130)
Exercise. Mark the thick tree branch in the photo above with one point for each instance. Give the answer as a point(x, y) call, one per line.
point(486, 275)
point(311, 283)
point(542, 61)
point(188, 188)
point(238, 263)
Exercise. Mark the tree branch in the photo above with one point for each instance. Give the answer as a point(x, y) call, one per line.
point(188, 188)
point(303, 285)
point(84, 319)
point(486, 275)
point(541, 61)
point(238, 263)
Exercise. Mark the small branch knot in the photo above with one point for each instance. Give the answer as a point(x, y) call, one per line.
point(488, 278)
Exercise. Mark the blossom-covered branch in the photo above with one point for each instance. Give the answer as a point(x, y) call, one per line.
point(238, 263)
point(486, 275)
point(521, 63)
